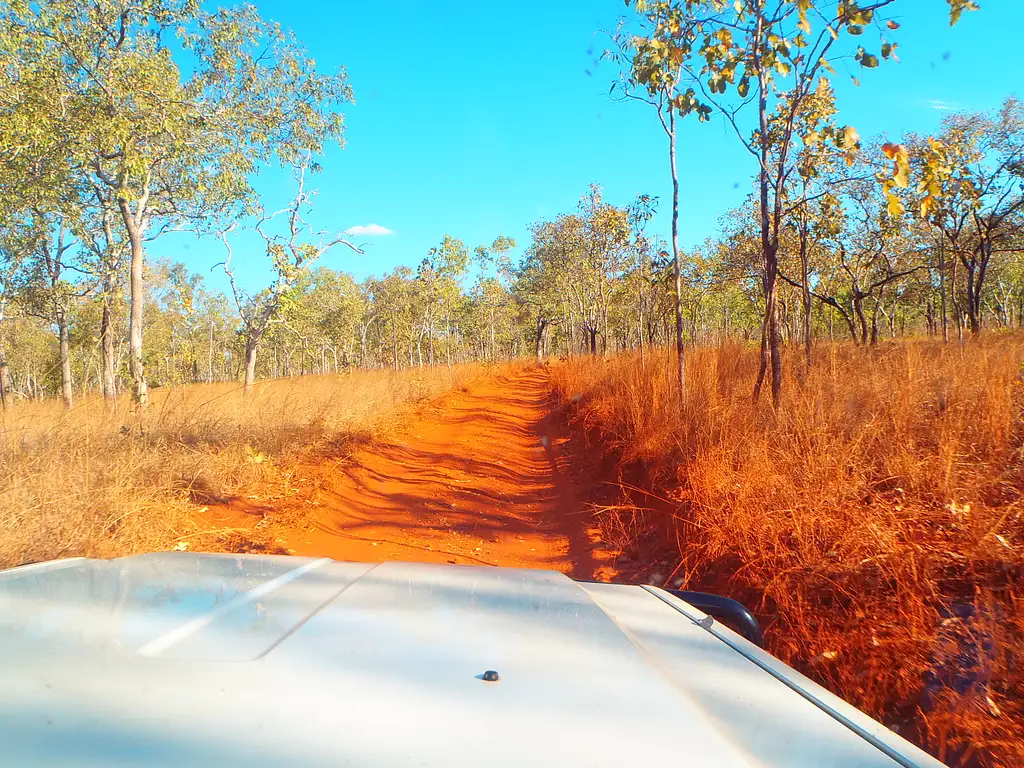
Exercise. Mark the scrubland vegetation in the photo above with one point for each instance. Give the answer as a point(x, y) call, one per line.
point(874, 522)
point(98, 481)
point(869, 509)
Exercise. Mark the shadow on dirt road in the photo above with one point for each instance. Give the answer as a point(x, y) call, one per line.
point(490, 476)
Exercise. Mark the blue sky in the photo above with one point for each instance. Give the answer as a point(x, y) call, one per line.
point(478, 118)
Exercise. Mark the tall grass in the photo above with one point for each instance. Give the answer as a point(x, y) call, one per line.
point(874, 520)
point(101, 481)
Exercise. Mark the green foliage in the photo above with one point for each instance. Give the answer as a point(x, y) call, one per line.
point(119, 120)
point(177, 141)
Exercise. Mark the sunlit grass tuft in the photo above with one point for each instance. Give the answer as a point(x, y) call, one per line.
point(98, 481)
point(874, 521)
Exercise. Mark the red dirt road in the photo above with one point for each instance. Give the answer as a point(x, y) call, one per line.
point(487, 477)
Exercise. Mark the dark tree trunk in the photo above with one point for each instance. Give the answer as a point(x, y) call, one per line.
point(542, 327)
point(252, 344)
point(763, 366)
point(135, 318)
point(976, 270)
point(65, 360)
point(107, 377)
point(676, 263)
point(973, 299)
point(771, 355)
point(862, 321)
point(805, 292)
point(209, 379)
point(771, 352)
point(942, 290)
point(4, 381)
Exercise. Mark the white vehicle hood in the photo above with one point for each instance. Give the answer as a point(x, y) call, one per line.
point(186, 659)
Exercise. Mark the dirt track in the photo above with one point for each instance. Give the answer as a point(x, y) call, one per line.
point(487, 477)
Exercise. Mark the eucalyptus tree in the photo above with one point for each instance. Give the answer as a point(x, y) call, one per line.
point(323, 313)
point(394, 303)
point(743, 61)
point(488, 308)
point(11, 258)
point(292, 251)
point(33, 154)
point(105, 252)
point(659, 82)
point(491, 291)
point(536, 286)
point(871, 250)
point(972, 191)
point(46, 291)
point(593, 249)
point(438, 275)
point(168, 109)
point(809, 186)
point(641, 264)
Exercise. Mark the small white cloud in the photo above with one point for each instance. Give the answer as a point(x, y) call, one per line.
point(939, 104)
point(368, 230)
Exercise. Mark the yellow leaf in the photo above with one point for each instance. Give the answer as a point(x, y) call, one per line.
point(902, 177)
point(896, 207)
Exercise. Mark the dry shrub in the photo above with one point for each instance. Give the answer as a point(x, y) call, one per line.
point(101, 481)
point(873, 520)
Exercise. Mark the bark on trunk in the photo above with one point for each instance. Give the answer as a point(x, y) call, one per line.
point(771, 352)
point(135, 317)
point(805, 286)
point(973, 305)
point(107, 378)
point(493, 358)
point(858, 309)
point(975, 283)
point(542, 326)
point(676, 265)
point(66, 392)
point(874, 323)
point(762, 367)
point(209, 379)
point(640, 332)
point(957, 312)
point(942, 290)
point(252, 345)
point(4, 382)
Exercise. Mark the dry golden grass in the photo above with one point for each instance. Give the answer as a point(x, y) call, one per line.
point(100, 482)
point(874, 522)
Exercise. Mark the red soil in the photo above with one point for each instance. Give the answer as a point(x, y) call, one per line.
point(488, 477)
